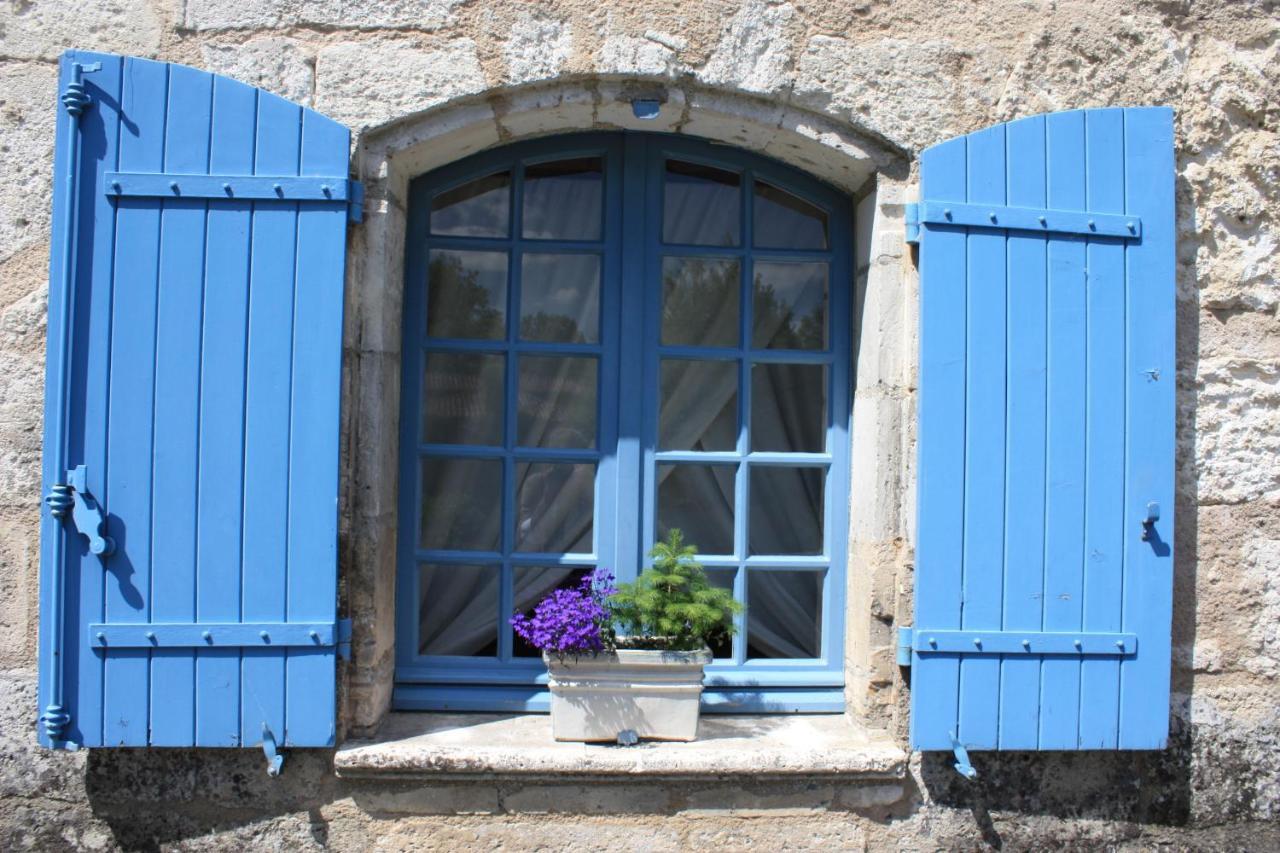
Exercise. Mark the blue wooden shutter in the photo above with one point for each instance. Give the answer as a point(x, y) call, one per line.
point(1044, 578)
point(188, 557)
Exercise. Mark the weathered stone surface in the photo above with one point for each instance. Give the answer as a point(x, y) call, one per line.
point(348, 14)
point(365, 84)
point(538, 47)
point(445, 745)
point(283, 66)
point(44, 30)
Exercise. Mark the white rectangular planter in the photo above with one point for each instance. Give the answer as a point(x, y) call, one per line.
point(653, 693)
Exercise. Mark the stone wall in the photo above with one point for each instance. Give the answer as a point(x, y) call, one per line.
point(886, 77)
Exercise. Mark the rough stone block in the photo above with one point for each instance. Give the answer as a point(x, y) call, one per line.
point(367, 83)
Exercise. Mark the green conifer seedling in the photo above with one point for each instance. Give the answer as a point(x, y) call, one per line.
point(672, 605)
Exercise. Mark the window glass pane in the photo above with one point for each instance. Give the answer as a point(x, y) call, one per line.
point(534, 583)
point(786, 510)
point(462, 398)
point(784, 614)
point(790, 305)
point(560, 298)
point(458, 610)
point(700, 302)
point(480, 208)
point(563, 200)
point(789, 408)
point(783, 221)
point(697, 499)
point(556, 404)
point(461, 504)
point(467, 294)
point(555, 507)
point(721, 645)
point(699, 405)
point(700, 206)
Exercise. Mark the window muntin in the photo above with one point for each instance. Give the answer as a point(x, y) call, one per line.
point(680, 370)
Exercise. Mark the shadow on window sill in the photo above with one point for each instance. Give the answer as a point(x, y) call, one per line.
point(420, 745)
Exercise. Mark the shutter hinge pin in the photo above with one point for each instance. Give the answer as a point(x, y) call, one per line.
point(904, 645)
point(74, 98)
point(911, 221)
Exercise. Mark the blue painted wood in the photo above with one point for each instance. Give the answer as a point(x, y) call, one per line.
point(220, 521)
point(205, 427)
point(984, 426)
point(999, 217)
point(1064, 509)
point(130, 418)
point(177, 412)
point(941, 454)
point(1149, 413)
point(313, 453)
point(1068, 435)
point(267, 524)
point(195, 635)
point(630, 358)
point(279, 185)
point(1025, 483)
point(1024, 644)
point(1105, 430)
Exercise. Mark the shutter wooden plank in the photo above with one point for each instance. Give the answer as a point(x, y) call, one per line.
point(1104, 429)
point(1064, 514)
point(87, 434)
point(316, 389)
point(1025, 501)
point(941, 459)
point(132, 401)
point(267, 423)
point(181, 292)
point(1150, 375)
point(984, 430)
point(222, 395)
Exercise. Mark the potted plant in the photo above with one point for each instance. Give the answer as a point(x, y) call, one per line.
point(626, 661)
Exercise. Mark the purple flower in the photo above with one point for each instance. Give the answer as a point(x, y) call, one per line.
point(570, 621)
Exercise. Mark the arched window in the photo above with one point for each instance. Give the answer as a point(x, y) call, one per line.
point(608, 336)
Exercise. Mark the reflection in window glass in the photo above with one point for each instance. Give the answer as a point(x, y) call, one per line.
point(560, 298)
point(531, 585)
point(697, 499)
point(563, 200)
point(786, 510)
point(790, 305)
point(556, 405)
point(784, 614)
point(721, 645)
point(458, 610)
point(700, 302)
point(789, 408)
point(467, 294)
point(459, 497)
point(700, 205)
point(698, 409)
point(555, 507)
point(783, 221)
point(480, 208)
point(462, 398)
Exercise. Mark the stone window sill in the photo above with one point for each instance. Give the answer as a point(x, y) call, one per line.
point(438, 746)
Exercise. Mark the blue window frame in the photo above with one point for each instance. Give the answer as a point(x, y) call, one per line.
point(605, 336)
